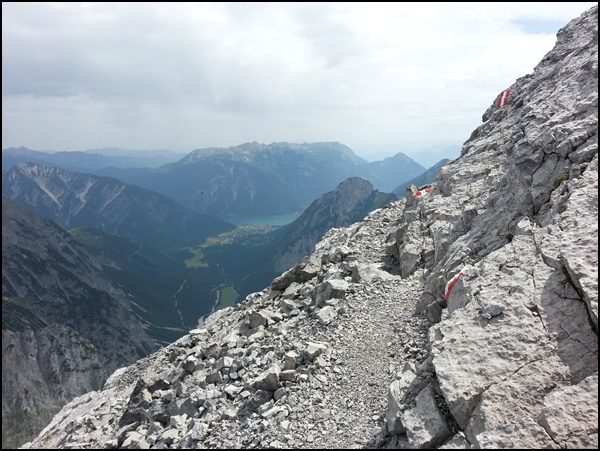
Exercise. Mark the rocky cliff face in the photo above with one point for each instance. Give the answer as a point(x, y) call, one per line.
point(364, 344)
point(59, 334)
point(516, 351)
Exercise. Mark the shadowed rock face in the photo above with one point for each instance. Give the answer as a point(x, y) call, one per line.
point(350, 348)
point(59, 334)
point(348, 203)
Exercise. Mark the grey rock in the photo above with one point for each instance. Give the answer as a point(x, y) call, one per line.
point(326, 315)
point(268, 380)
point(313, 350)
point(426, 426)
point(569, 414)
point(332, 288)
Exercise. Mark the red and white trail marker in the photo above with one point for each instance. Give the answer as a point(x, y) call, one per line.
point(450, 285)
point(423, 192)
point(503, 99)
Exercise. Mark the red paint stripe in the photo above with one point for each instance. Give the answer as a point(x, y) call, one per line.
point(503, 99)
point(451, 285)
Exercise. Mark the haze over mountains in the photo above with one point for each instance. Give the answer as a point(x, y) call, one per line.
point(124, 158)
point(427, 156)
point(260, 179)
point(89, 160)
point(248, 180)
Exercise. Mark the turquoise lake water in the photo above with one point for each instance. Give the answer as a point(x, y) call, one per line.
point(275, 220)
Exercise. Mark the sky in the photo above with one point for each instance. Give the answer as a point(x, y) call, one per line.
point(377, 77)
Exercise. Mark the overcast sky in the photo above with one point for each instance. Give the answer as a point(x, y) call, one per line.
point(183, 76)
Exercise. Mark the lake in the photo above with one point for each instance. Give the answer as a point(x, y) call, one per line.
point(273, 220)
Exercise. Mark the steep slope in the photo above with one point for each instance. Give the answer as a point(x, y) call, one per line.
point(351, 348)
point(73, 199)
point(169, 291)
point(350, 202)
point(517, 217)
point(59, 334)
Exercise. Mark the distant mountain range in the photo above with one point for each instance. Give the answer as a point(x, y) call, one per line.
point(73, 199)
point(260, 179)
point(246, 180)
point(89, 160)
point(425, 156)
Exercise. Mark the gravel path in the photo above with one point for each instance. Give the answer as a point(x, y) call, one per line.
point(372, 339)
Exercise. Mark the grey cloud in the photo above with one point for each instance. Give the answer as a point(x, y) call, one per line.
point(132, 55)
point(208, 72)
point(332, 38)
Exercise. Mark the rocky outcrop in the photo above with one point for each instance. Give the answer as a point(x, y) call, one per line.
point(425, 178)
point(517, 215)
point(363, 345)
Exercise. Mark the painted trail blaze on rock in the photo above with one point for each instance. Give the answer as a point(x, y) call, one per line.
point(450, 285)
point(503, 99)
point(423, 192)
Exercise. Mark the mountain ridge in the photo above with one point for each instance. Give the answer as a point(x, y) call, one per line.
point(87, 160)
point(350, 202)
point(73, 199)
point(265, 179)
point(244, 180)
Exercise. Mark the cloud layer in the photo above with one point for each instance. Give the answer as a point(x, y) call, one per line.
point(190, 75)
